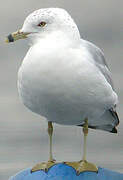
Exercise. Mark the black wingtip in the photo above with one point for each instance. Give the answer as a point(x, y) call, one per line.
point(115, 115)
point(114, 130)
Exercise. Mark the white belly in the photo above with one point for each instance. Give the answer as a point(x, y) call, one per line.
point(63, 91)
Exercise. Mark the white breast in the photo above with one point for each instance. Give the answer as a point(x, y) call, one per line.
point(63, 85)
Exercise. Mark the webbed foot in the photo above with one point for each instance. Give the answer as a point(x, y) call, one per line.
point(43, 166)
point(82, 166)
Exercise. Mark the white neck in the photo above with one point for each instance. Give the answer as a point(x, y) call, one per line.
point(58, 37)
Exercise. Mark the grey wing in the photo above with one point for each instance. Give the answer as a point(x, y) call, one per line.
point(99, 60)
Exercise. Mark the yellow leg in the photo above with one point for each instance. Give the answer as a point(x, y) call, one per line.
point(46, 165)
point(50, 132)
point(83, 165)
point(85, 131)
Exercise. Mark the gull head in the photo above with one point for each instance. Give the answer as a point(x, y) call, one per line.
point(46, 23)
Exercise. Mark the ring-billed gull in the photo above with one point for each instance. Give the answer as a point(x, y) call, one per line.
point(65, 78)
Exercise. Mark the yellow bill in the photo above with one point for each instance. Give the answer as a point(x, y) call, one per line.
point(16, 36)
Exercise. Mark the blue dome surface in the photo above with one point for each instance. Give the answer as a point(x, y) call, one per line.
point(64, 172)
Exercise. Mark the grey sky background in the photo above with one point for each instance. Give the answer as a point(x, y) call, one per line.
point(23, 135)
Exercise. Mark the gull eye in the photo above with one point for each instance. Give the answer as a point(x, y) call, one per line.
point(42, 24)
